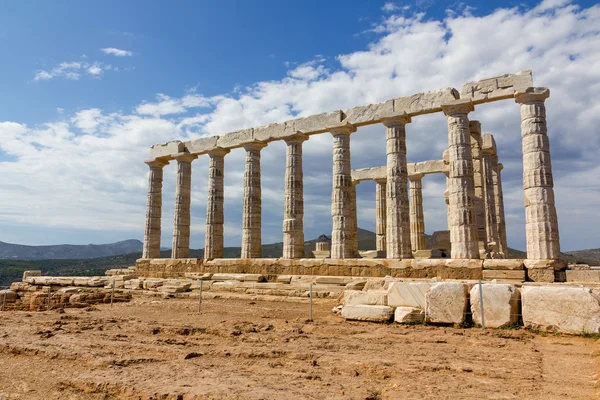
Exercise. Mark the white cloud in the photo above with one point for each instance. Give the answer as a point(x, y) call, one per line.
point(89, 169)
point(117, 52)
point(390, 7)
point(73, 70)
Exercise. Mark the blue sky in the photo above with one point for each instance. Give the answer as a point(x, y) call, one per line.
point(88, 86)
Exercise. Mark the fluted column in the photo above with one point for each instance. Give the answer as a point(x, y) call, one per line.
point(342, 239)
point(500, 220)
point(447, 199)
point(461, 190)
point(491, 229)
point(153, 209)
point(181, 220)
point(354, 221)
point(293, 213)
point(380, 211)
point(252, 212)
point(417, 218)
point(213, 242)
point(478, 200)
point(540, 212)
point(398, 216)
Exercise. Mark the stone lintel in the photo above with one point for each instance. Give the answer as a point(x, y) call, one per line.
point(165, 150)
point(496, 88)
point(488, 144)
point(414, 170)
point(532, 94)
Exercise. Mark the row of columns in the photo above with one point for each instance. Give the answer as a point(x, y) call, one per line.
point(473, 185)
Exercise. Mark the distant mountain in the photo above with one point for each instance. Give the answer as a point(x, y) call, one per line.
point(68, 251)
point(590, 256)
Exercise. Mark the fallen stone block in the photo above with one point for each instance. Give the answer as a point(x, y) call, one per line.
point(27, 274)
point(153, 284)
point(583, 275)
point(81, 281)
point(197, 275)
point(284, 278)
point(502, 264)
point(333, 280)
point(500, 305)
point(171, 289)
point(356, 285)
point(69, 290)
point(134, 284)
point(7, 296)
point(98, 281)
point(239, 277)
point(371, 298)
point(447, 303)
point(408, 294)
point(568, 309)
point(368, 313)
point(409, 315)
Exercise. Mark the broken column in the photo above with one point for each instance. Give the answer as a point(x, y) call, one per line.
point(213, 243)
point(380, 214)
point(342, 240)
point(181, 220)
point(293, 212)
point(398, 219)
point(500, 219)
point(417, 218)
point(153, 209)
point(461, 190)
point(540, 212)
point(491, 228)
point(252, 208)
point(478, 200)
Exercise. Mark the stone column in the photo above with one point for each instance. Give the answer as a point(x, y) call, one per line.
point(213, 243)
point(398, 217)
point(500, 220)
point(447, 199)
point(491, 229)
point(478, 200)
point(153, 209)
point(461, 189)
point(354, 222)
point(342, 239)
point(293, 212)
point(183, 192)
point(540, 212)
point(252, 212)
point(417, 218)
point(380, 210)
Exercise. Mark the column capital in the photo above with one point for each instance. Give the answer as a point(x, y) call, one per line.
point(156, 163)
point(380, 181)
point(297, 137)
point(184, 157)
point(458, 107)
point(395, 119)
point(255, 145)
point(532, 94)
point(345, 128)
point(475, 127)
point(218, 152)
point(416, 177)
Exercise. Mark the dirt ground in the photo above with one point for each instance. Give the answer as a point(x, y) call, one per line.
point(242, 349)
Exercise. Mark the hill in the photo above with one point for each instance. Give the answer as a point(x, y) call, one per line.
point(68, 251)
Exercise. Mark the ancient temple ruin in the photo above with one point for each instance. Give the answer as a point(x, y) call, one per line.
point(474, 193)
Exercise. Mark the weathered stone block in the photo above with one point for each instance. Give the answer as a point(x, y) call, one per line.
point(426, 102)
point(503, 274)
point(317, 123)
point(407, 315)
point(236, 139)
point(500, 305)
point(166, 149)
point(446, 303)
point(7, 296)
point(363, 115)
point(202, 145)
point(371, 298)
point(356, 285)
point(27, 274)
point(408, 294)
point(503, 264)
point(273, 132)
point(583, 275)
point(568, 309)
point(368, 313)
point(496, 88)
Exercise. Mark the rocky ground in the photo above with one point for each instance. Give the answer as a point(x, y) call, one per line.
point(154, 348)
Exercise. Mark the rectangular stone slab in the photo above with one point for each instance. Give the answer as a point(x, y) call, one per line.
point(368, 313)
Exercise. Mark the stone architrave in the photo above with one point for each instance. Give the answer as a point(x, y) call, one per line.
point(153, 209)
point(293, 212)
point(252, 206)
point(213, 243)
point(500, 219)
point(478, 200)
point(342, 235)
point(398, 215)
point(540, 212)
point(380, 217)
point(491, 228)
point(181, 219)
point(461, 190)
point(417, 218)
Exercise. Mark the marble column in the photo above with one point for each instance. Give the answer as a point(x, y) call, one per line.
point(417, 218)
point(447, 199)
point(398, 216)
point(342, 235)
point(354, 221)
point(461, 189)
point(500, 220)
point(293, 212)
point(478, 200)
point(213, 242)
point(380, 211)
point(491, 228)
point(540, 212)
point(252, 211)
point(183, 192)
point(153, 209)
